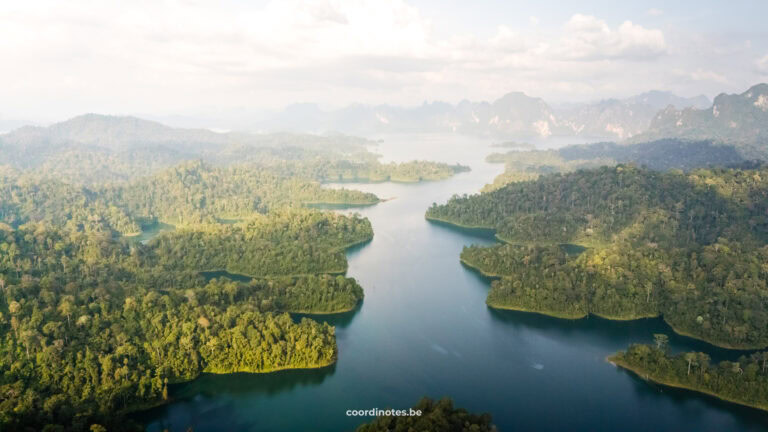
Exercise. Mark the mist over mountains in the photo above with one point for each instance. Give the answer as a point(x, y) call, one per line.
point(740, 119)
point(514, 115)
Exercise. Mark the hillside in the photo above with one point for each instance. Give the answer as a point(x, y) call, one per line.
point(514, 115)
point(738, 119)
point(688, 247)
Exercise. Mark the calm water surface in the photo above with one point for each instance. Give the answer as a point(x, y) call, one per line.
point(424, 329)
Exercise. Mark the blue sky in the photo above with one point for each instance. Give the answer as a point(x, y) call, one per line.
point(177, 57)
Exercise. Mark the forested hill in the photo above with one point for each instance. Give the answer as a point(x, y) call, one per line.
point(193, 192)
point(95, 149)
point(661, 155)
point(95, 326)
point(690, 247)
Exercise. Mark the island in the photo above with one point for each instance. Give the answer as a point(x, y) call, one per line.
point(98, 325)
point(743, 382)
point(438, 415)
point(688, 247)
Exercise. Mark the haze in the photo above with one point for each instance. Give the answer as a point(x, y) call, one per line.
point(218, 61)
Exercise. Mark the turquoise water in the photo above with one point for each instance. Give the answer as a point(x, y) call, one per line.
point(424, 329)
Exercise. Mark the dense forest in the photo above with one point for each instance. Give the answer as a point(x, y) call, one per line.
point(660, 155)
point(283, 243)
point(744, 381)
point(94, 325)
point(435, 416)
point(187, 194)
point(690, 247)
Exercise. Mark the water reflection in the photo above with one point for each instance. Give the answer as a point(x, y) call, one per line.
point(215, 398)
point(338, 320)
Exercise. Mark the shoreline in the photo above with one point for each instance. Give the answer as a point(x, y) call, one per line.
point(447, 222)
point(647, 377)
point(335, 312)
point(573, 317)
point(155, 404)
point(676, 330)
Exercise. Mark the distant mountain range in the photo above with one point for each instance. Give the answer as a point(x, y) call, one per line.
point(515, 115)
point(739, 119)
point(117, 148)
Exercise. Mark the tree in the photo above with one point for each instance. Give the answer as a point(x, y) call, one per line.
point(661, 341)
point(690, 358)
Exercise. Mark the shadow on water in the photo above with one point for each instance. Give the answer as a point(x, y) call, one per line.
point(209, 385)
point(480, 233)
point(215, 397)
point(748, 418)
point(572, 249)
point(479, 275)
point(356, 248)
point(609, 335)
point(339, 320)
point(210, 275)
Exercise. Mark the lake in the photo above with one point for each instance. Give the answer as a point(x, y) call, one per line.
point(424, 329)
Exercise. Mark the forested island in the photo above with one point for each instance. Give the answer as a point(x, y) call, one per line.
point(191, 193)
point(438, 415)
point(744, 381)
point(96, 325)
point(690, 247)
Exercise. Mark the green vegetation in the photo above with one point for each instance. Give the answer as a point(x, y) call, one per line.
point(188, 194)
point(284, 243)
point(92, 150)
point(439, 416)
point(95, 326)
point(406, 172)
point(743, 382)
point(736, 119)
point(689, 247)
point(529, 165)
point(661, 155)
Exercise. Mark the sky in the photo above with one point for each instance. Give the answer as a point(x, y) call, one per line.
point(183, 57)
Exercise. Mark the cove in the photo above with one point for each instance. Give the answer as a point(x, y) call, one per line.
point(424, 329)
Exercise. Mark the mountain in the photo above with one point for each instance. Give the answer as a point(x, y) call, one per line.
point(740, 119)
point(118, 148)
point(623, 118)
point(110, 132)
point(513, 116)
point(661, 99)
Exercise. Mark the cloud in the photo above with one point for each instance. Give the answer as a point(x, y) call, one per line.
point(110, 56)
point(590, 38)
point(655, 12)
point(701, 75)
point(762, 65)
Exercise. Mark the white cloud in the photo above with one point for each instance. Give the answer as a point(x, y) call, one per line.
point(701, 75)
point(65, 58)
point(762, 65)
point(589, 38)
point(655, 12)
